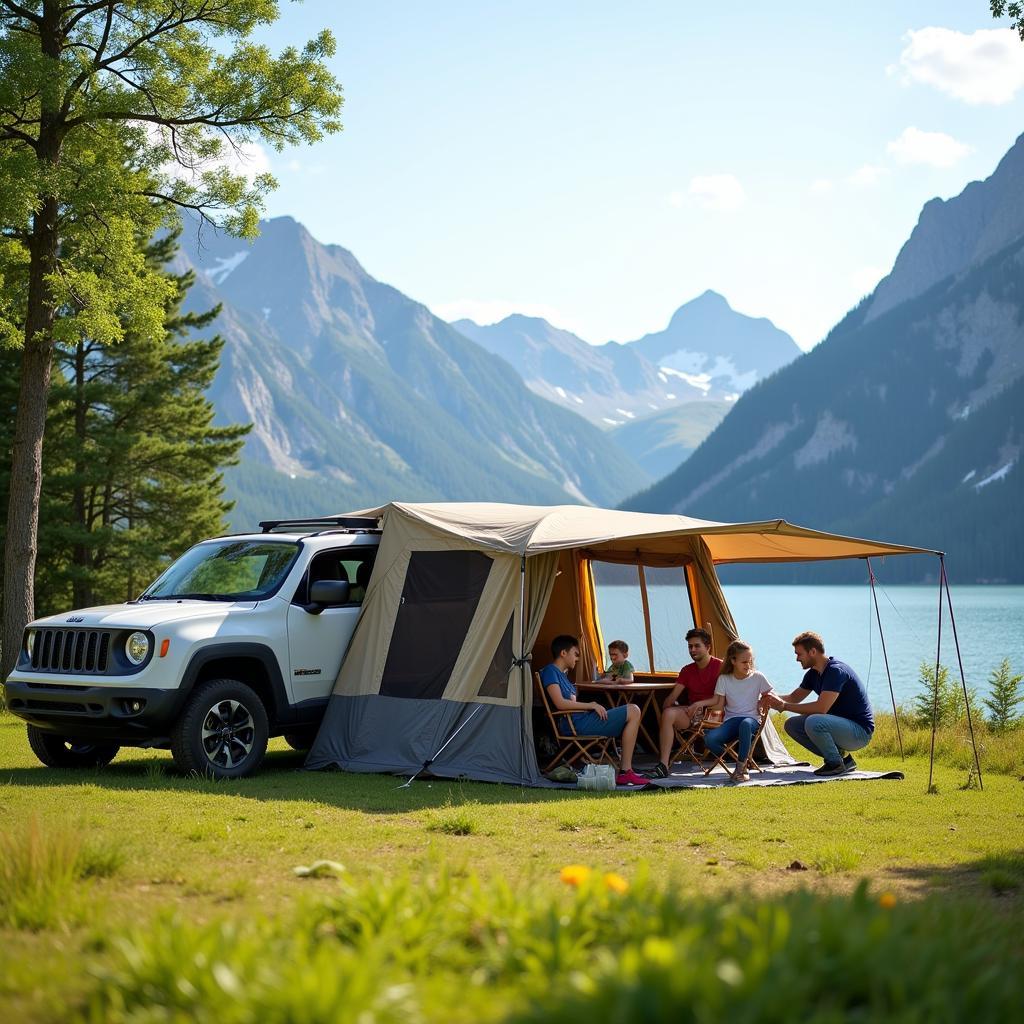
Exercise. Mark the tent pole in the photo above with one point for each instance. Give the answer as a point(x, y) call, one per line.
point(523, 664)
point(935, 688)
point(885, 655)
point(963, 678)
point(647, 611)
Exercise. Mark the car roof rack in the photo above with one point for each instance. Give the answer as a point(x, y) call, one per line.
point(352, 524)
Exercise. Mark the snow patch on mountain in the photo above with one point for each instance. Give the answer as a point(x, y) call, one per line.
point(700, 381)
point(993, 477)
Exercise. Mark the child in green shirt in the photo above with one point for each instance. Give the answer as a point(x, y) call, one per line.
point(620, 670)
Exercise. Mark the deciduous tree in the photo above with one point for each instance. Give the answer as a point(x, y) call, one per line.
point(1014, 9)
point(113, 116)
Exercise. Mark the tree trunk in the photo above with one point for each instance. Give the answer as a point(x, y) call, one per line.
point(27, 451)
point(81, 557)
point(36, 365)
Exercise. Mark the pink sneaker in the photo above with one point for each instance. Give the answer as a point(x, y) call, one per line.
point(630, 778)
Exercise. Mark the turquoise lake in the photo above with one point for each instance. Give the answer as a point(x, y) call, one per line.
point(989, 619)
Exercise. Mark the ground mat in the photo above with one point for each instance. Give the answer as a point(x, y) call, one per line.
point(691, 776)
point(686, 775)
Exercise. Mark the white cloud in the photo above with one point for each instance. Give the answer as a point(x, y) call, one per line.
point(718, 191)
point(821, 186)
point(675, 199)
point(934, 148)
point(986, 66)
point(869, 174)
point(248, 159)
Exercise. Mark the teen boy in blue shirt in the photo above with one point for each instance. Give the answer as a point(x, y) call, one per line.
point(594, 719)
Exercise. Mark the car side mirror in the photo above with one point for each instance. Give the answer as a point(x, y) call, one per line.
point(327, 593)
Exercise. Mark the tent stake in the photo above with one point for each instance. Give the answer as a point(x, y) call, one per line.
point(885, 655)
point(935, 688)
point(430, 760)
point(963, 678)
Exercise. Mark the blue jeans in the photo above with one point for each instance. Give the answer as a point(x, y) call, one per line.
point(828, 735)
point(731, 729)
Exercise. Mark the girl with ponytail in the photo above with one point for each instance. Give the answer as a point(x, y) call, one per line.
point(739, 690)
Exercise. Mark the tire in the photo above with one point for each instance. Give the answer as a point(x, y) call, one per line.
point(300, 740)
point(67, 752)
point(222, 732)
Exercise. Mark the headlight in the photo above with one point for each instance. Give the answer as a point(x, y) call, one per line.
point(136, 647)
point(30, 642)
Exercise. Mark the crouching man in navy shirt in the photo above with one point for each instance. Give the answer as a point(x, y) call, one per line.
point(839, 720)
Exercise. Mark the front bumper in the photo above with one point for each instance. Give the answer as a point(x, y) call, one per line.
point(95, 712)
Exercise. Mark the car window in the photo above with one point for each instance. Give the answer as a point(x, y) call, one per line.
point(227, 570)
point(351, 564)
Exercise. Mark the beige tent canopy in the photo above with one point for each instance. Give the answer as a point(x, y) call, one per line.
point(462, 594)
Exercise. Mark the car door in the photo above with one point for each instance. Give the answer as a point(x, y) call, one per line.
point(317, 641)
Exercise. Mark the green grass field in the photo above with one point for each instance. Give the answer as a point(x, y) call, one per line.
point(94, 864)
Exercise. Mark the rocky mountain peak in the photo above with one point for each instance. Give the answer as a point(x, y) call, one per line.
point(955, 233)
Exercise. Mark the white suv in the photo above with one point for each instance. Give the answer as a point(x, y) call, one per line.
point(238, 640)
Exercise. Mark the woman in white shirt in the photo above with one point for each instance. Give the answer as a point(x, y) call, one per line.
point(739, 690)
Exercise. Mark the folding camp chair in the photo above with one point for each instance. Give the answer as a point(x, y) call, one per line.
point(589, 748)
point(712, 720)
point(684, 746)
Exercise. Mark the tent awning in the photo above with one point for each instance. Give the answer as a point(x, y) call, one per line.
point(628, 536)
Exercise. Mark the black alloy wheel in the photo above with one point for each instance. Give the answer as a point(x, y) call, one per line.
point(68, 752)
point(223, 731)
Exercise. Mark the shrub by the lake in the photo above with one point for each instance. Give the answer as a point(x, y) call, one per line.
point(440, 948)
point(1000, 752)
point(998, 732)
point(1005, 697)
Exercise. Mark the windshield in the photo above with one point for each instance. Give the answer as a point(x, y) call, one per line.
point(230, 570)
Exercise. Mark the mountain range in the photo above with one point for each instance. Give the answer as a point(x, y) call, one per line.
point(707, 351)
point(906, 422)
point(660, 395)
point(357, 394)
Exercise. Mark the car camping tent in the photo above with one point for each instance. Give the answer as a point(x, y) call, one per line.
point(464, 595)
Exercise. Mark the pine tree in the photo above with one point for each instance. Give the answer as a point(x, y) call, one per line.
point(1004, 698)
point(132, 460)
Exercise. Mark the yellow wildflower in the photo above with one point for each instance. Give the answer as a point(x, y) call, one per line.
point(574, 874)
point(887, 901)
point(615, 882)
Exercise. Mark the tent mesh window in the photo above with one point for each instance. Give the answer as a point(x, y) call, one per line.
point(495, 682)
point(439, 599)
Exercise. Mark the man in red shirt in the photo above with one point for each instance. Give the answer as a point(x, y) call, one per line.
point(695, 686)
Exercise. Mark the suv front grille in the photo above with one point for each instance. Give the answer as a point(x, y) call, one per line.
point(75, 651)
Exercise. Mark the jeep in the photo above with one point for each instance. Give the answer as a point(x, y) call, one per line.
point(238, 640)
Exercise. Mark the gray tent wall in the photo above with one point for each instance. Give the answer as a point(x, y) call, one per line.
point(434, 658)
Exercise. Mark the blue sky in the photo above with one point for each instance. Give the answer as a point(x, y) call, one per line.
point(600, 164)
